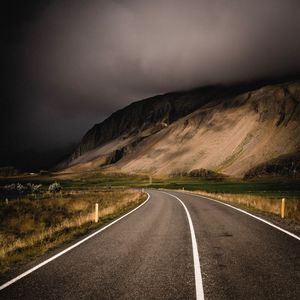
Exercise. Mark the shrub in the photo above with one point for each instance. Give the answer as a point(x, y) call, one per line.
point(20, 188)
point(34, 188)
point(54, 187)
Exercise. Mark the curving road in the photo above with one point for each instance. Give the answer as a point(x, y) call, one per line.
point(151, 254)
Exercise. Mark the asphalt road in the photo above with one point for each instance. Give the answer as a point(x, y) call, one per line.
point(150, 255)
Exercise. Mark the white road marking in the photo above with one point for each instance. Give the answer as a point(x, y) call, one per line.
point(197, 269)
point(251, 215)
point(8, 283)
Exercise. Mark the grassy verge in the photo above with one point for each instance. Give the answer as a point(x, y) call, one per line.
point(82, 180)
point(270, 205)
point(263, 195)
point(268, 187)
point(34, 224)
point(30, 226)
point(275, 187)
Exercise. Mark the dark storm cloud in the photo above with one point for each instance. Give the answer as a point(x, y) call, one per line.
point(81, 60)
point(121, 50)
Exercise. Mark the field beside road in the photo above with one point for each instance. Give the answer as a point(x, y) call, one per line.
point(32, 224)
point(265, 187)
point(174, 246)
point(263, 193)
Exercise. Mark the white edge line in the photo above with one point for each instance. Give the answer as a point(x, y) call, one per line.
point(8, 283)
point(197, 268)
point(247, 213)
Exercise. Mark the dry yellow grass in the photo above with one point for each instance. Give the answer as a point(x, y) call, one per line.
point(265, 204)
point(31, 227)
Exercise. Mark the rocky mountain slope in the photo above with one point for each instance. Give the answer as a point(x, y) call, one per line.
point(228, 130)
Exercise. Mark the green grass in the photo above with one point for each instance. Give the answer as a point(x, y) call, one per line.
point(84, 181)
point(269, 187)
point(261, 188)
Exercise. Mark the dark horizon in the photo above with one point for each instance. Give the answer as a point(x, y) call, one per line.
point(69, 65)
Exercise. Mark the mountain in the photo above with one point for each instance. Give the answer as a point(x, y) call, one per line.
point(225, 129)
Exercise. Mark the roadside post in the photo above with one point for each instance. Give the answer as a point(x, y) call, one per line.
point(282, 207)
point(96, 213)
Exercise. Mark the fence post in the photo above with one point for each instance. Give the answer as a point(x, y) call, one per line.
point(282, 207)
point(96, 213)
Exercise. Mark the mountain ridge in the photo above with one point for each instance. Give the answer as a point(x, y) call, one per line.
point(123, 140)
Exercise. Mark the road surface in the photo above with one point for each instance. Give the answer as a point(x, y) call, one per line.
point(150, 254)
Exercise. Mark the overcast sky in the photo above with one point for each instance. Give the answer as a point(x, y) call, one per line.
point(70, 64)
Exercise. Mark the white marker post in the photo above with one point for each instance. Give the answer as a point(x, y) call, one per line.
point(96, 213)
point(282, 208)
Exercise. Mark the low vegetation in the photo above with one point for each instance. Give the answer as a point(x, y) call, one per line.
point(200, 174)
point(265, 204)
point(42, 214)
point(34, 223)
point(264, 187)
point(263, 194)
point(284, 165)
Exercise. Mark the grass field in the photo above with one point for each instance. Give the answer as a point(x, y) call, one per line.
point(270, 205)
point(35, 223)
point(263, 195)
point(31, 225)
point(269, 187)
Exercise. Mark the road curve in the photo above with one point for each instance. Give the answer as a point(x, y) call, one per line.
point(149, 255)
point(241, 257)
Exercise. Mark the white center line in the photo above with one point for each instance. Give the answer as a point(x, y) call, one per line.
point(3, 286)
point(197, 269)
